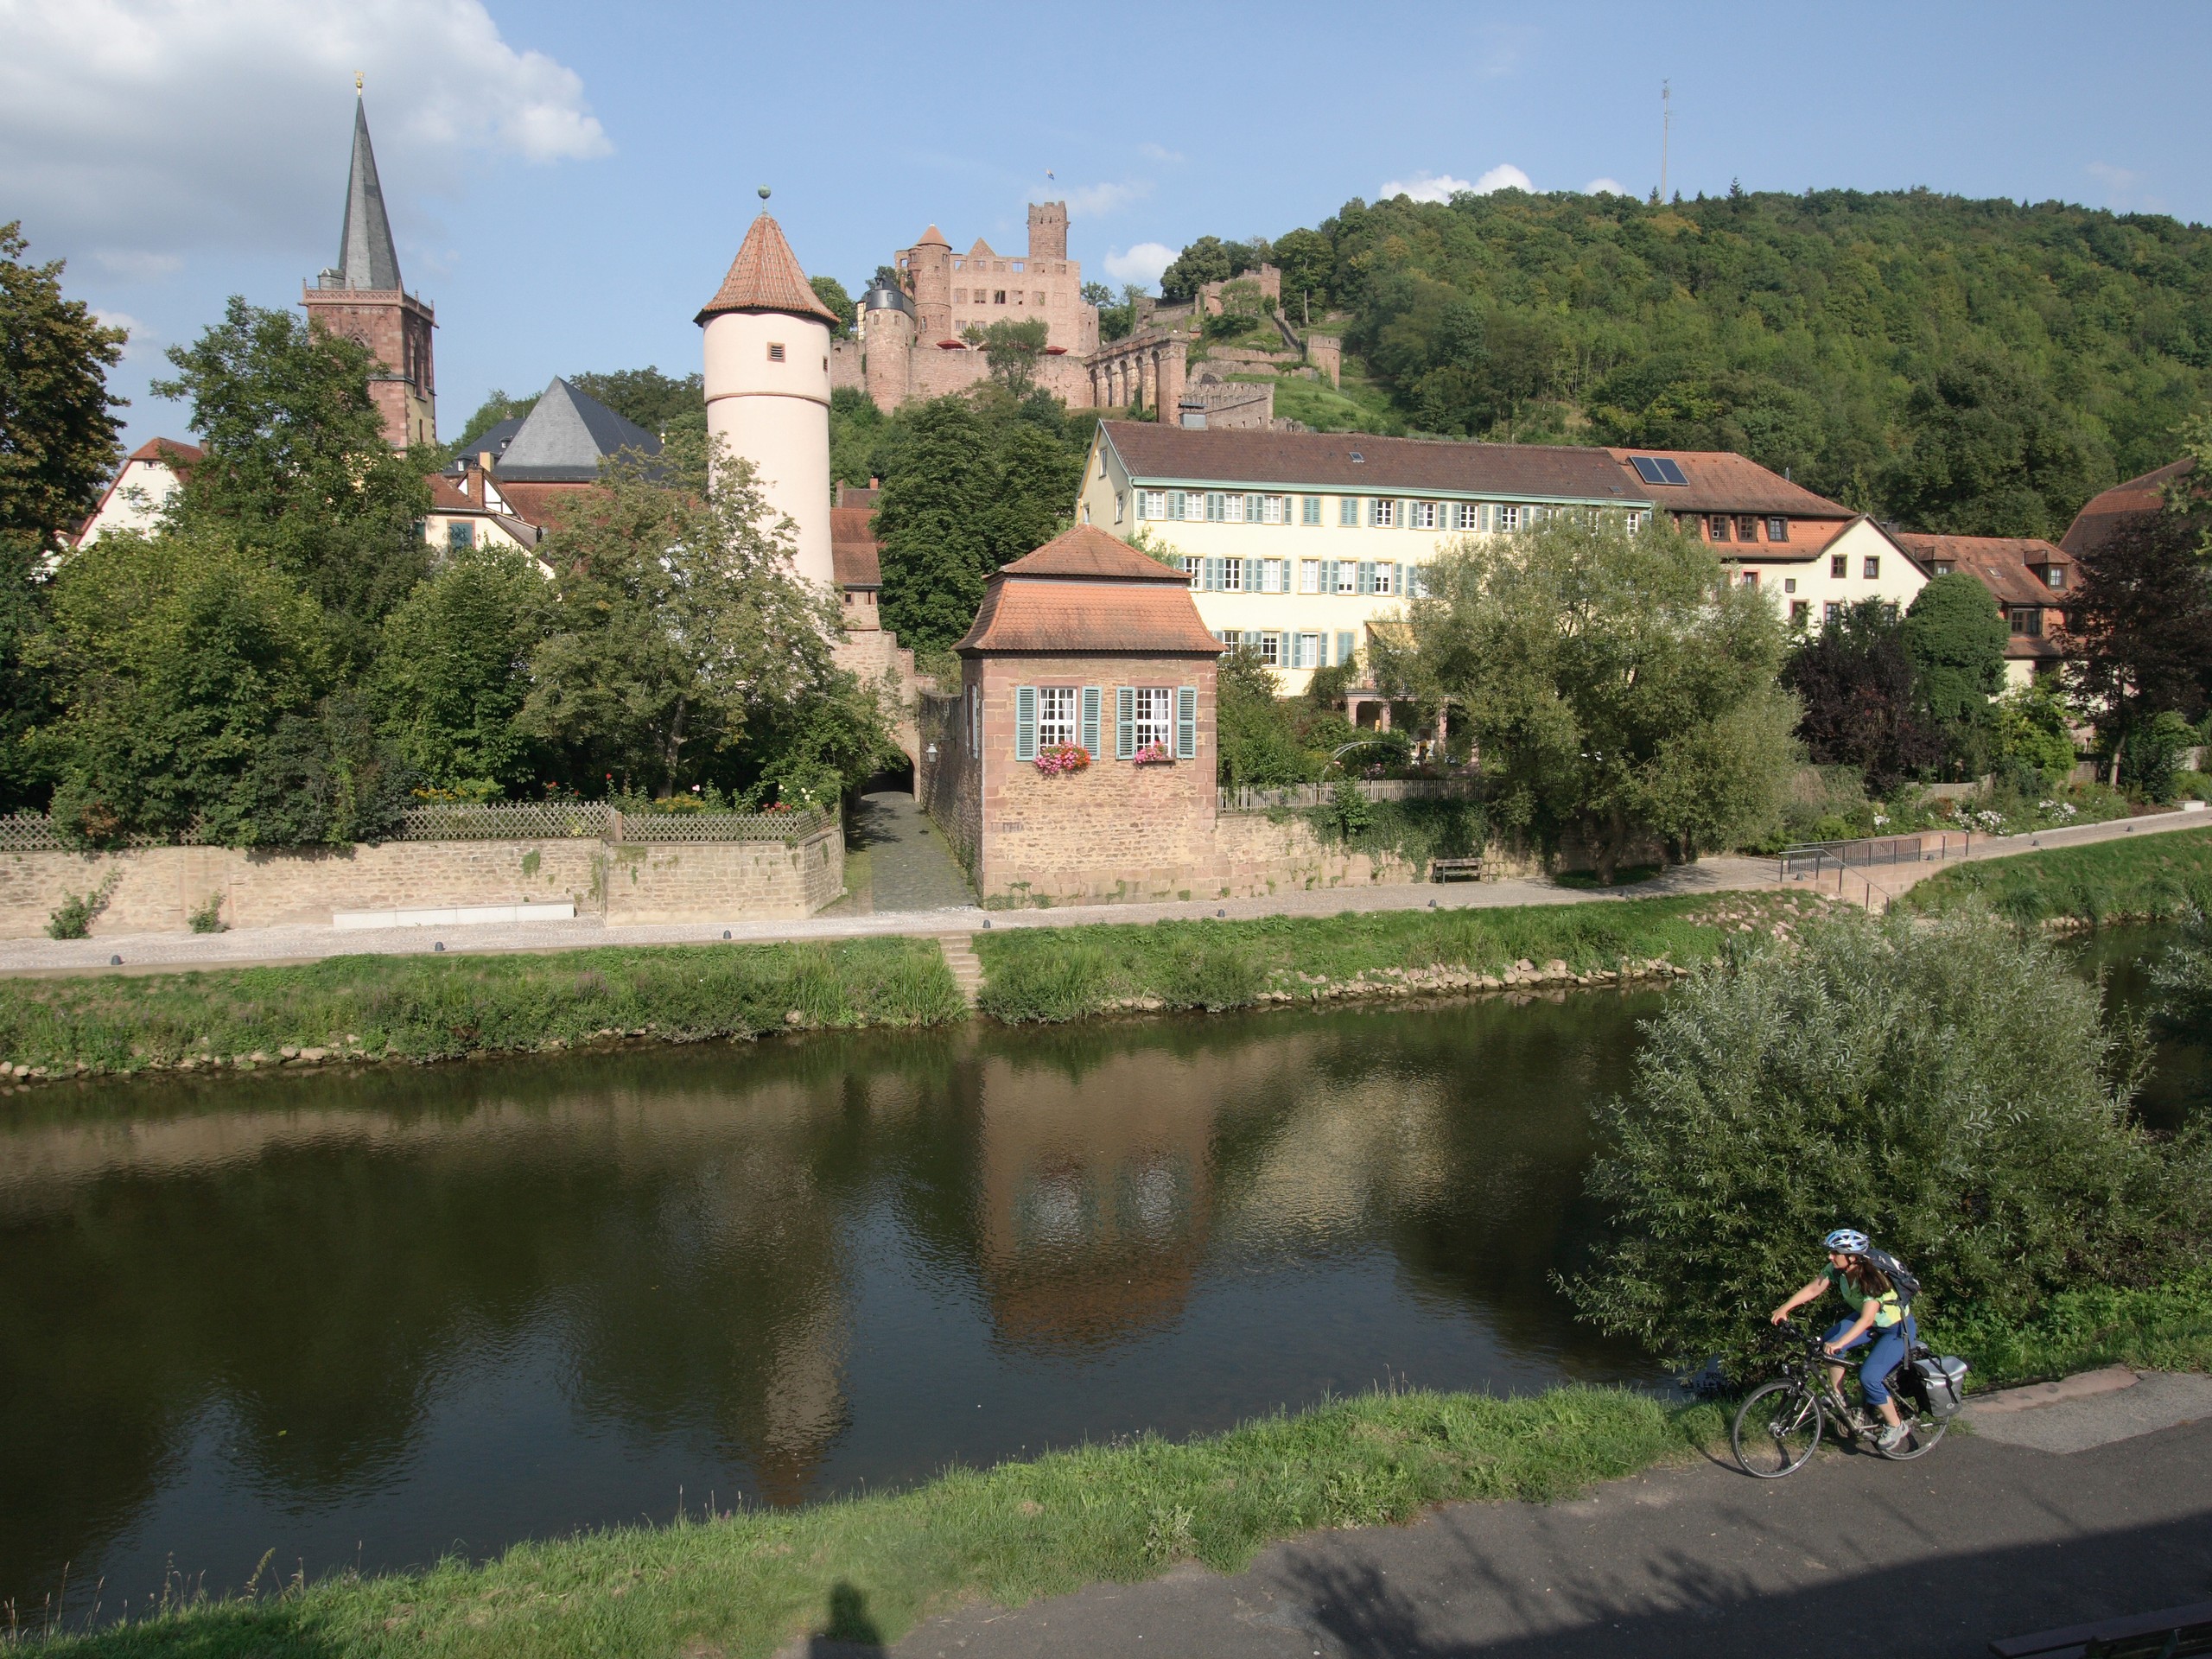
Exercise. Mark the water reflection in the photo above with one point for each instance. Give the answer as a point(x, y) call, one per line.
point(384, 1315)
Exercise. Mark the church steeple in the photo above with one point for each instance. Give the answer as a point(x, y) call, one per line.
point(361, 298)
point(365, 256)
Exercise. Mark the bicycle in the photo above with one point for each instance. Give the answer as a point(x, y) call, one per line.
point(1779, 1427)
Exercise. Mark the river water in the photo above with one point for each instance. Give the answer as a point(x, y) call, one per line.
point(369, 1318)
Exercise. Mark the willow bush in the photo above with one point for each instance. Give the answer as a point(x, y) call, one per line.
point(1948, 1085)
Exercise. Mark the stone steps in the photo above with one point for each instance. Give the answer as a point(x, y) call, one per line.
point(967, 970)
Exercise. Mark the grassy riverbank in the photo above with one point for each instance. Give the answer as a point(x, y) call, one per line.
point(2151, 878)
point(1070, 973)
point(866, 1570)
point(446, 1007)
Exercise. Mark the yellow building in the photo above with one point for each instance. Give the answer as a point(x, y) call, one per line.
point(1299, 543)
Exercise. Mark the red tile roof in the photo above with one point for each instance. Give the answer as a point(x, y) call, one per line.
point(541, 503)
point(1084, 591)
point(169, 452)
point(1156, 453)
point(767, 276)
point(1721, 482)
point(2000, 563)
point(1808, 540)
point(1087, 553)
point(852, 547)
point(2097, 520)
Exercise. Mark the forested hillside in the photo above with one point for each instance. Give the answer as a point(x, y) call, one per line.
point(1968, 366)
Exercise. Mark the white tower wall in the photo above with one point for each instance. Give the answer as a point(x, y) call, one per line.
point(772, 408)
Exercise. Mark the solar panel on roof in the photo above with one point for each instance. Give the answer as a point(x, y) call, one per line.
point(1658, 469)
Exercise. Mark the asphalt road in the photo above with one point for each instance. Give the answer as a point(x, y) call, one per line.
point(1852, 1555)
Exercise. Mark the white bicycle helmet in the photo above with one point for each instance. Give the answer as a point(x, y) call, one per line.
point(1846, 1241)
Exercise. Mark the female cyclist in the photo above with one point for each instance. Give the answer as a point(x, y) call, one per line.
point(1880, 1314)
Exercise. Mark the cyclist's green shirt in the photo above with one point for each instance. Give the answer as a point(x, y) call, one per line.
point(1886, 1312)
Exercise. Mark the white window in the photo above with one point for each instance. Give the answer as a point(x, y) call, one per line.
point(1274, 575)
point(1509, 518)
point(1056, 718)
point(1271, 648)
point(1234, 510)
point(1306, 650)
point(1635, 523)
point(1196, 568)
point(1469, 516)
point(1152, 503)
point(1272, 510)
point(1232, 576)
point(1230, 637)
point(1382, 573)
point(1416, 582)
point(1347, 575)
point(1424, 515)
point(1194, 506)
point(1381, 513)
point(1309, 575)
point(1120, 505)
point(1155, 706)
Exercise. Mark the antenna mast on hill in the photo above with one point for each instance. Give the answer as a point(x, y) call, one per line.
point(1665, 126)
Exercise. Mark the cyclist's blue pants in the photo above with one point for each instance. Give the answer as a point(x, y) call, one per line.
point(1888, 1350)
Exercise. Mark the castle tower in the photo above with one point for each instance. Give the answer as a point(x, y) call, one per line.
point(361, 298)
point(1048, 230)
point(768, 383)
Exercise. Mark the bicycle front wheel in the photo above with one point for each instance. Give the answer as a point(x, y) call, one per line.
point(1777, 1430)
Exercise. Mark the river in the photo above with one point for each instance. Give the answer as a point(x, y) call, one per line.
point(367, 1318)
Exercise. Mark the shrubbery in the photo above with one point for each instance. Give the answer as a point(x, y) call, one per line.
point(1948, 1085)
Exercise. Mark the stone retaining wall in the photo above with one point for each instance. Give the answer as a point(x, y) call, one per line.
point(155, 889)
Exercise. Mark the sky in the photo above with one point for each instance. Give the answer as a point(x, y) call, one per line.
point(568, 181)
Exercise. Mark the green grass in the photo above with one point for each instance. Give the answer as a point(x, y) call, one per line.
point(2148, 878)
point(2166, 1328)
point(443, 1007)
point(1325, 408)
point(868, 1569)
point(1055, 974)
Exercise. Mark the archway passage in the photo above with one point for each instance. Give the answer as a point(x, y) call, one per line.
point(895, 858)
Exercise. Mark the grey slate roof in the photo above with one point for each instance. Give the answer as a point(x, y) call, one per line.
point(565, 437)
point(365, 256)
point(495, 438)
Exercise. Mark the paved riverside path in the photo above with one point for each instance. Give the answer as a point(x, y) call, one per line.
point(241, 946)
point(1980, 1538)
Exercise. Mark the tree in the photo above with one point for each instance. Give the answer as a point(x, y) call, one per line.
point(1119, 321)
point(454, 671)
point(831, 293)
point(1853, 681)
point(1097, 294)
point(1954, 635)
point(1307, 261)
point(1206, 260)
point(1615, 684)
point(296, 466)
point(659, 403)
point(1992, 453)
point(1013, 350)
point(2142, 618)
point(1947, 1084)
point(969, 483)
point(679, 627)
point(177, 658)
point(855, 427)
point(58, 429)
point(1258, 739)
point(2032, 731)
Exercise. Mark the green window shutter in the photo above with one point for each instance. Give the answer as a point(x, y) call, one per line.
point(1125, 721)
point(1025, 723)
point(1347, 646)
point(1187, 722)
point(1328, 576)
point(1090, 700)
point(1367, 576)
point(1174, 503)
point(1321, 655)
point(1398, 580)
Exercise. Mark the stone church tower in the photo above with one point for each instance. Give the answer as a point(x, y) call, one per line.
point(768, 383)
point(361, 298)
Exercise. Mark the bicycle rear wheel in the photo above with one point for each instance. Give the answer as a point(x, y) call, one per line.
point(1776, 1430)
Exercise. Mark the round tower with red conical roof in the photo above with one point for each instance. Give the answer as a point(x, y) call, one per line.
point(767, 384)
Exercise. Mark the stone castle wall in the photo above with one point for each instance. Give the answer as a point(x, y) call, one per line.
point(155, 889)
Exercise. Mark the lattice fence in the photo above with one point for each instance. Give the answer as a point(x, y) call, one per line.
point(720, 826)
point(28, 832)
point(506, 821)
point(1375, 789)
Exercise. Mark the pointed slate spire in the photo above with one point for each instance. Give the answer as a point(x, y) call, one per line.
point(365, 256)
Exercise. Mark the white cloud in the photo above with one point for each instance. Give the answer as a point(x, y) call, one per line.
point(141, 343)
point(1091, 200)
point(142, 127)
point(1605, 188)
point(1158, 153)
point(1141, 264)
point(1442, 187)
point(2123, 189)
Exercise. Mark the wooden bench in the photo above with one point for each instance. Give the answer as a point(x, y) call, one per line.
point(1455, 869)
point(2166, 1635)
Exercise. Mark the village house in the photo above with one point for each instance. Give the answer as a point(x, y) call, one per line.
point(139, 493)
point(1300, 544)
point(2031, 582)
